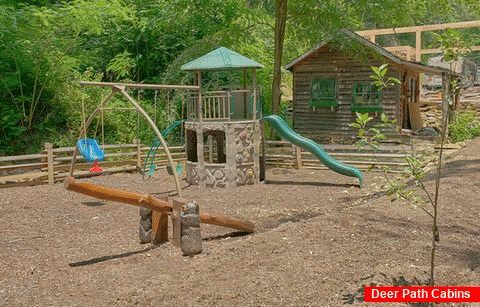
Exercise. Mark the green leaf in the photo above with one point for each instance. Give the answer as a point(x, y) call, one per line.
point(383, 70)
point(375, 70)
point(355, 125)
point(384, 117)
point(364, 117)
point(393, 80)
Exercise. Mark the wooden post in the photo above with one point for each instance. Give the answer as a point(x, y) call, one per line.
point(177, 220)
point(139, 154)
point(210, 149)
point(418, 46)
point(298, 154)
point(254, 93)
point(160, 225)
point(199, 102)
point(245, 96)
point(229, 105)
point(49, 149)
point(414, 147)
point(263, 160)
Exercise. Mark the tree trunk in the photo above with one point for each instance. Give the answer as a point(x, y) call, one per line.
point(280, 20)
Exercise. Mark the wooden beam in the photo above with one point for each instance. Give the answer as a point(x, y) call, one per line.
point(142, 86)
point(159, 227)
point(48, 148)
point(23, 157)
point(132, 198)
point(439, 50)
point(151, 202)
point(28, 166)
point(226, 221)
point(418, 46)
point(159, 136)
point(434, 27)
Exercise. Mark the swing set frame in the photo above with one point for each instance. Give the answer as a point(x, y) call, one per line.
point(121, 88)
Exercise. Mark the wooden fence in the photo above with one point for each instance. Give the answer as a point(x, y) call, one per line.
point(54, 163)
point(284, 154)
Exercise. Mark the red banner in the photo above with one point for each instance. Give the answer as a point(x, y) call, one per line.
point(420, 294)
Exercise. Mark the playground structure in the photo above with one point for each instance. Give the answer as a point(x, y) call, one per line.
point(233, 119)
point(225, 124)
point(121, 88)
point(186, 217)
point(228, 123)
point(223, 130)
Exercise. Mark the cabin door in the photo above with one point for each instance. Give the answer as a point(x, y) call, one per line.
point(411, 117)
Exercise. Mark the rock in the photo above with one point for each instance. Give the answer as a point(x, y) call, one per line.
point(191, 240)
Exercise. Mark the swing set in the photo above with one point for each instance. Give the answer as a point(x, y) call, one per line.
point(90, 148)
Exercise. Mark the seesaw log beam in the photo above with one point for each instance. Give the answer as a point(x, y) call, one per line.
point(121, 196)
point(151, 202)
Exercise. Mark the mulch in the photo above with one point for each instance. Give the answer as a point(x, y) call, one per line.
point(319, 239)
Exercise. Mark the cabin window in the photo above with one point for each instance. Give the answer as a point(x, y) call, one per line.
point(324, 93)
point(366, 98)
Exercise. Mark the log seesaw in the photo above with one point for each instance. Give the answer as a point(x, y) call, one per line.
point(186, 216)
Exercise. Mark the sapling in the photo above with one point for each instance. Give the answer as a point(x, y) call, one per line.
point(398, 189)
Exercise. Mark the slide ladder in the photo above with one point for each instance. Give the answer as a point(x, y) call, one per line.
point(153, 150)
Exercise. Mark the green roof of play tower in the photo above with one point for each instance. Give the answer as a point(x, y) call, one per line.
point(221, 59)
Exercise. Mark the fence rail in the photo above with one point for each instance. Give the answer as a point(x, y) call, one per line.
point(54, 163)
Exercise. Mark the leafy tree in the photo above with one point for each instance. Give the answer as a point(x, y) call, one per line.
point(46, 46)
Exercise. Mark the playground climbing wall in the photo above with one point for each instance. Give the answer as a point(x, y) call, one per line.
point(236, 147)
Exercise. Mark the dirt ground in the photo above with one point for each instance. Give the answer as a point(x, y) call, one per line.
point(319, 238)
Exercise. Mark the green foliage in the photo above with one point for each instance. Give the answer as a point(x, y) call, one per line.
point(465, 126)
point(121, 65)
point(452, 44)
point(395, 188)
point(370, 136)
point(379, 77)
point(47, 46)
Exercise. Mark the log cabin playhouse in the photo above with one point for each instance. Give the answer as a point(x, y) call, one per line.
point(331, 82)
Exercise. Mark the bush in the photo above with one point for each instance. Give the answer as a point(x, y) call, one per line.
point(465, 126)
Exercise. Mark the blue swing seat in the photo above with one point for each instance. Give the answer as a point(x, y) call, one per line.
point(90, 150)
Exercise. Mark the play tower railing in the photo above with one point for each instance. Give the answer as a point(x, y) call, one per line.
point(222, 105)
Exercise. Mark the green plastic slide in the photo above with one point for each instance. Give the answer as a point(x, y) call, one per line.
point(282, 128)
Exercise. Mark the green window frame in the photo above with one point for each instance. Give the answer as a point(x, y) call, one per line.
point(366, 97)
point(323, 93)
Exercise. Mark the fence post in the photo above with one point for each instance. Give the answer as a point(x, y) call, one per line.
point(298, 154)
point(139, 153)
point(414, 147)
point(49, 149)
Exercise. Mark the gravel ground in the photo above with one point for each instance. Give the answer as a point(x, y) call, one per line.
point(319, 238)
